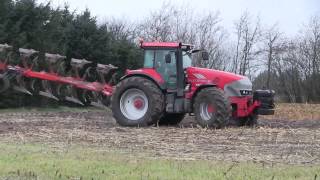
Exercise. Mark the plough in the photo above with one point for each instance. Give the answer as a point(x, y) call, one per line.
point(86, 83)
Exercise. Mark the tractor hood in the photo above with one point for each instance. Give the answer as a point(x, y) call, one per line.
point(232, 84)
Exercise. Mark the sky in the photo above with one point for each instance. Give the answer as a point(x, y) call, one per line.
point(290, 15)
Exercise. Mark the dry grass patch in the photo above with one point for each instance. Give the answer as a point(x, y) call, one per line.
point(285, 111)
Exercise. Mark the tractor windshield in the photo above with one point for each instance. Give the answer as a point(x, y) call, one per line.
point(187, 60)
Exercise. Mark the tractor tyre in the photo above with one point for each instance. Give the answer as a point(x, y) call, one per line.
point(212, 108)
point(171, 119)
point(137, 102)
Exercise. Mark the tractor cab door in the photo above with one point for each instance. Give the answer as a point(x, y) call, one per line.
point(168, 70)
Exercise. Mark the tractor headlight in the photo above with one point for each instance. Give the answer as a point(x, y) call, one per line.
point(246, 92)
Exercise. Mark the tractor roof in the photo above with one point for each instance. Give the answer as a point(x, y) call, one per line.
point(186, 47)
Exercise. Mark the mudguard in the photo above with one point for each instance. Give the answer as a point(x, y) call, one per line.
point(148, 73)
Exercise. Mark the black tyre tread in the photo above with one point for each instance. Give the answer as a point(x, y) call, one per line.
point(155, 97)
point(223, 107)
point(171, 119)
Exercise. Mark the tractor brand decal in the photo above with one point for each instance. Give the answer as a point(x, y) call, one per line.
point(199, 76)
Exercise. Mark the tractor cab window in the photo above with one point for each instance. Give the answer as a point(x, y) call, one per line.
point(156, 59)
point(149, 57)
point(187, 60)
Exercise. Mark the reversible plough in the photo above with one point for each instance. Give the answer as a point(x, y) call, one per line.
point(85, 83)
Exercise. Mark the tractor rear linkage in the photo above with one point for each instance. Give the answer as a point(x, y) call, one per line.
point(86, 83)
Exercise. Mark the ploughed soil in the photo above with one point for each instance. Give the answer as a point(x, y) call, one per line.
point(275, 140)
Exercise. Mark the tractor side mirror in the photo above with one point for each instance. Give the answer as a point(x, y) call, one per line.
point(205, 56)
point(168, 58)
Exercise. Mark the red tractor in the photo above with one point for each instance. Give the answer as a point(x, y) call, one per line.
point(168, 87)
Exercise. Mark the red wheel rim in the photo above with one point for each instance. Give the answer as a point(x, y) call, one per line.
point(211, 108)
point(138, 103)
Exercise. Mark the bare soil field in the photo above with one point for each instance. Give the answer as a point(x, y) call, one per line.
point(281, 140)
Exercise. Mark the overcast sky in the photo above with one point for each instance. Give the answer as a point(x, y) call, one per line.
point(289, 14)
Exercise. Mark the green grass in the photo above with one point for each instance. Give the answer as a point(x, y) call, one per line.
point(35, 161)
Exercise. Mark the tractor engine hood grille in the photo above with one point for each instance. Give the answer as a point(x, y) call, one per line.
point(242, 87)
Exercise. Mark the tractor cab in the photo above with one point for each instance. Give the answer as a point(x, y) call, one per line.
point(170, 60)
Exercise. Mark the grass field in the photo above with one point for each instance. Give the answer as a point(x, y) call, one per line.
point(36, 161)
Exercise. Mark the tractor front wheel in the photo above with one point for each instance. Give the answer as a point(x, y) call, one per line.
point(137, 101)
point(212, 108)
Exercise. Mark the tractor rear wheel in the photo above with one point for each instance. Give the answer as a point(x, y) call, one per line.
point(137, 101)
point(171, 119)
point(212, 108)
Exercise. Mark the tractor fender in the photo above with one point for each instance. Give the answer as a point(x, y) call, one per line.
point(150, 74)
point(201, 87)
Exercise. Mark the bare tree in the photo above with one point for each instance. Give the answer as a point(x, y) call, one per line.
point(121, 29)
point(272, 38)
point(309, 56)
point(180, 24)
point(210, 36)
point(248, 34)
point(157, 27)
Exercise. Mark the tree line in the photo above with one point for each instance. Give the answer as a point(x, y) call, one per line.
point(26, 24)
point(289, 65)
